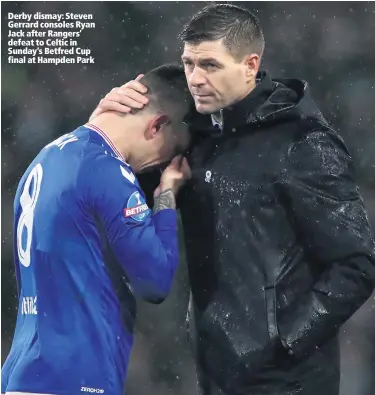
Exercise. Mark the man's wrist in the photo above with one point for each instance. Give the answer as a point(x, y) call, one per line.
point(168, 186)
point(165, 200)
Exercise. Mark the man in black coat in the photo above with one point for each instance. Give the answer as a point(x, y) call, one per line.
point(279, 247)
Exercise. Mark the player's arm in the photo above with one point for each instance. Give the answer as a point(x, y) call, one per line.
point(145, 243)
point(324, 204)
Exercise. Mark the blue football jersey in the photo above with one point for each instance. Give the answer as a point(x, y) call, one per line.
point(84, 240)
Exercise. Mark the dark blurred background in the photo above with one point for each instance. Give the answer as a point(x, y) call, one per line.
point(331, 45)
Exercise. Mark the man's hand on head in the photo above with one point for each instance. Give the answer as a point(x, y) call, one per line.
point(123, 99)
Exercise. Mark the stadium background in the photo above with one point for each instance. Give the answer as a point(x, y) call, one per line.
point(331, 45)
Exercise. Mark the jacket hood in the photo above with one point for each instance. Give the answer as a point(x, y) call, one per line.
point(271, 100)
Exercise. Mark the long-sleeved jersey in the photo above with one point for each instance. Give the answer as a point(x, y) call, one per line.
point(83, 233)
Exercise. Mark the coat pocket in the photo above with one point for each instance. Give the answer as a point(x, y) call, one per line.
point(273, 304)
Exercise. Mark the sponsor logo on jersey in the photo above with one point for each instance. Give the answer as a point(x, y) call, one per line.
point(92, 390)
point(28, 305)
point(136, 208)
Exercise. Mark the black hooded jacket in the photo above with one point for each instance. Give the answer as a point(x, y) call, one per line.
point(279, 247)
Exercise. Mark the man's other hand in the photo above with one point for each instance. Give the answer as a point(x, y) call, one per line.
point(174, 176)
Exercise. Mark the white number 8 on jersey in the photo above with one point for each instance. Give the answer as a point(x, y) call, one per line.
point(25, 222)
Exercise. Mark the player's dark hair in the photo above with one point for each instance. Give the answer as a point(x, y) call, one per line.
point(238, 27)
point(167, 90)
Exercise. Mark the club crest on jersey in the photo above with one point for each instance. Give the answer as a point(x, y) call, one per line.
point(136, 207)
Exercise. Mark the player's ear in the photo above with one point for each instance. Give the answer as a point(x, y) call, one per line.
point(157, 125)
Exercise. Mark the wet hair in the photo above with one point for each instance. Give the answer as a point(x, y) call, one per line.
point(238, 27)
point(168, 92)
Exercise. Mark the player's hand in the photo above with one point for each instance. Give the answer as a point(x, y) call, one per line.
point(174, 176)
point(123, 99)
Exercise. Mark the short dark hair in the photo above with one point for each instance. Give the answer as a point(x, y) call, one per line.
point(238, 27)
point(167, 90)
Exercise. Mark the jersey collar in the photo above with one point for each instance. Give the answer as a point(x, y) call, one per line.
point(107, 140)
